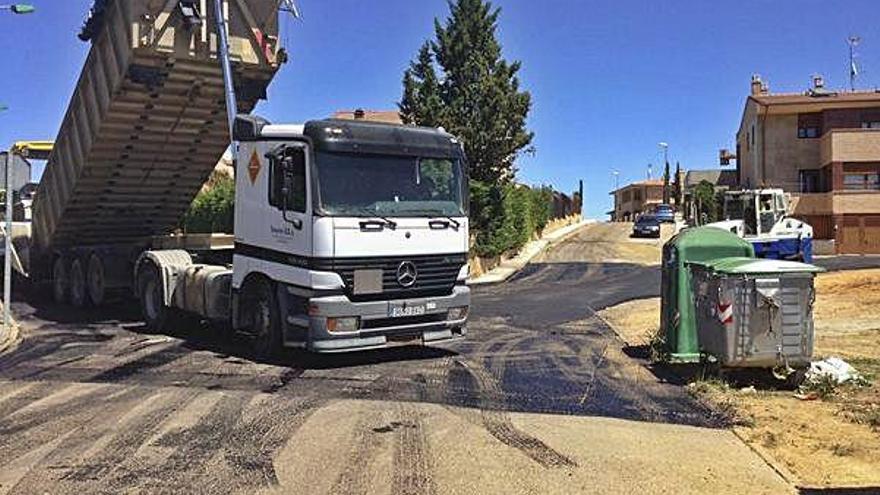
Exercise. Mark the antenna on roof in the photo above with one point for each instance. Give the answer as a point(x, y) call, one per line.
point(853, 42)
point(650, 171)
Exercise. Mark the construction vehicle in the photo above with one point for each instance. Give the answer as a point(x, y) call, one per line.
point(761, 216)
point(348, 235)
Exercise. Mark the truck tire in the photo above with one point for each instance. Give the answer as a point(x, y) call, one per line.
point(157, 316)
point(95, 280)
point(77, 277)
point(59, 280)
point(264, 319)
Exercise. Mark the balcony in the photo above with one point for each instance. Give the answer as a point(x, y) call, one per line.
point(850, 145)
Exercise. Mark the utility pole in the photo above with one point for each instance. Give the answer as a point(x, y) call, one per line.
point(853, 42)
point(18, 8)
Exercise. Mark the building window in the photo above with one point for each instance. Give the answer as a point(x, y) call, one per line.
point(871, 125)
point(862, 182)
point(637, 195)
point(809, 125)
point(809, 181)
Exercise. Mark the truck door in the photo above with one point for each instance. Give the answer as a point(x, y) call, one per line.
point(273, 210)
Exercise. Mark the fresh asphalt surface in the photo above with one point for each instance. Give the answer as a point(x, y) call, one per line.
point(92, 403)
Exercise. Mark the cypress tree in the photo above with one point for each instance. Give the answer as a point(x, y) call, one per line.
point(421, 103)
point(477, 98)
point(666, 184)
point(677, 187)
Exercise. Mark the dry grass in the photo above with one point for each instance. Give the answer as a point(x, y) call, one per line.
point(832, 442)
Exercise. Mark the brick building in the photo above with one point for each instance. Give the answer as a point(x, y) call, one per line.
point(823, 147)
point(632, 200)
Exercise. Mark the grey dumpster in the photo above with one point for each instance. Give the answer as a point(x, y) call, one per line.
point(754, 312)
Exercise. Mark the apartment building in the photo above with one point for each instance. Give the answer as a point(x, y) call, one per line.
point(632, 200)
point(823, 147)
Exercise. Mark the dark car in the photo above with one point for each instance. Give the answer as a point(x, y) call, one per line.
point(647, 226)
point(664, 213)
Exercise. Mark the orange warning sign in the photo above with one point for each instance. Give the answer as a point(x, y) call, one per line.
point(254, 167)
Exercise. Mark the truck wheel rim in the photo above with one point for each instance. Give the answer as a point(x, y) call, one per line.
point(262, 320)
point(77, 284)
point(95, 280)
point(58, 280)
point(150, 299)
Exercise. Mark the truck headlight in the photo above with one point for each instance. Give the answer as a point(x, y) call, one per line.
point(344, 324)
point(458, 313)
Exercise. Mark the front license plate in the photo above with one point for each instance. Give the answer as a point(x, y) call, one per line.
point(403, 311)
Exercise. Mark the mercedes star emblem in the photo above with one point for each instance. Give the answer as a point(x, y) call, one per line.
point(407, 274)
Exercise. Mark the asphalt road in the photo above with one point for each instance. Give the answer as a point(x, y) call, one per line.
point(92, 403)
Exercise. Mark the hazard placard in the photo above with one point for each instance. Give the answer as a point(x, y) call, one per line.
point(254, 167)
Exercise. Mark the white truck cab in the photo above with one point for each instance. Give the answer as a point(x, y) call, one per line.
point(349, 235)
point(761, 216)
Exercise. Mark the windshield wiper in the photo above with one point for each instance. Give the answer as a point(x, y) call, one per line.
point(387, 222)
point(449, 220)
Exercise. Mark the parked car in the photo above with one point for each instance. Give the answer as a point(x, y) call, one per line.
point(664, 213)
point(647, 226)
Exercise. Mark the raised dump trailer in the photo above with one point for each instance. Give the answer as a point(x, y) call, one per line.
point(144, 129)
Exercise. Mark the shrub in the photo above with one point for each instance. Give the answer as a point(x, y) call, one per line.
point(504, 217)
point(213, 210)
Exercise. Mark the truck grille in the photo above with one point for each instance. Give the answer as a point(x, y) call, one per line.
point(436, 274)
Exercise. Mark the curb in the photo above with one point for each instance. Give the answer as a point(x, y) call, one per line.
point(491, 278)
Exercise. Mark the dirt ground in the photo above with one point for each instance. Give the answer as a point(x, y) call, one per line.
point(609, 243)
point(831, 442)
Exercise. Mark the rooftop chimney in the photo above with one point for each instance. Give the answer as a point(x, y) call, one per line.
point(758, 87)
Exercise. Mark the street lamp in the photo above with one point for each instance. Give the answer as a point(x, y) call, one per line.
point(665, 147)
point(19, 8)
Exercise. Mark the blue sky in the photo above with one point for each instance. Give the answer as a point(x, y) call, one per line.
point(609, 80)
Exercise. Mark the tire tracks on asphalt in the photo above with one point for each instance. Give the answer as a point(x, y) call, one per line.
point(499, 425)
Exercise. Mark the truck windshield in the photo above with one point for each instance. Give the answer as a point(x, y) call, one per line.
point(377, 185)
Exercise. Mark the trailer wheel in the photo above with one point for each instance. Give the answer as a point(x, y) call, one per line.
point(59, 280)
point(78, 296)
point(97, 285)
point(264, 319)
point(157, 316)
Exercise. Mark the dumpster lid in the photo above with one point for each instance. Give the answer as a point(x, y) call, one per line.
point(756, 265)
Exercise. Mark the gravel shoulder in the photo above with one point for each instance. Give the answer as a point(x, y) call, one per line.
point(823, 443)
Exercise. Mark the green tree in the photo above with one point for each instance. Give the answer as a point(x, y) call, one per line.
point(213, 210)
point(477, 96)
point(706, 203)
point(421, 103)
point(666, 184)
point(677, 185)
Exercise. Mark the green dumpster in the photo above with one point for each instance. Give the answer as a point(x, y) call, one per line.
point(678, 327)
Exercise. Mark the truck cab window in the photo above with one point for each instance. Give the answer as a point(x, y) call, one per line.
point(289, 161)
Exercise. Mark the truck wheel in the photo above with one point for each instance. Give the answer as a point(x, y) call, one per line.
point(264, 319)
point(95, 280)
point(59, 281)
point(157, 316)
point(78, 295)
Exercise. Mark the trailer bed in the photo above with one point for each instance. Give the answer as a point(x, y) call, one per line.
point(147, 124)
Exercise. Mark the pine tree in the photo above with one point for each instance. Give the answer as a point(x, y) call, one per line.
point(478, 98)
